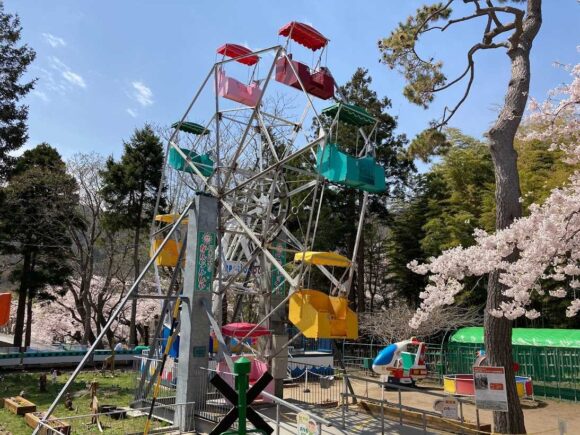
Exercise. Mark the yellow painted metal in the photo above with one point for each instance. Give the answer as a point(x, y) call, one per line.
point(521, 389)
point(322, 258)
point(169, 218)
point(449, 385)
point(168, 255)
point(318, 315)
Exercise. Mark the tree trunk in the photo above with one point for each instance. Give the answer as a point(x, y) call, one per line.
point(22, 293)
point(498, 331)
point(28, 335)
point(88, 335)
point(132, 325)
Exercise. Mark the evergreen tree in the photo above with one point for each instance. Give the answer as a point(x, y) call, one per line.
point(14, 59)
point(406, 232)
point(40, 198)
point(130, 189)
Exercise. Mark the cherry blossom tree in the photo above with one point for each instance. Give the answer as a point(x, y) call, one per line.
point(392, 324)
point(534, 250)
point(59, 320)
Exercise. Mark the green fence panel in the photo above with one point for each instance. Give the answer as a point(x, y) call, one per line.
point(555, 371)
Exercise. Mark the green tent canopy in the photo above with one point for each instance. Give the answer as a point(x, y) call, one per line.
point(350, 114)
point(190, 127)
point(569, 338)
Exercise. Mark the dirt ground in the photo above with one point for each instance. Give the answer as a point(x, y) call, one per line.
point(542, 415)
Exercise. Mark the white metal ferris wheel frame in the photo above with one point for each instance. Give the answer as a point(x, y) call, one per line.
point(222, 193)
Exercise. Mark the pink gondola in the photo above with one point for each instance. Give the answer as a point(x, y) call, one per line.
point(237, 51)
point(241, 330)
point(258, 368)
point(229, 87)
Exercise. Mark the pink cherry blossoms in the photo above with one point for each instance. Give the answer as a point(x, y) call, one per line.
point(59, 320)
point(547, 241)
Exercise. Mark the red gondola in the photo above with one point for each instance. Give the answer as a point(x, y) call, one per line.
point(304, 34)
point(317, 82)
point(233, 89)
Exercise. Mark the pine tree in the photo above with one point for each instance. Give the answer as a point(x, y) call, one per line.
point(14, 60)
point(514, 34)
point(130, 189)
point(39, 198)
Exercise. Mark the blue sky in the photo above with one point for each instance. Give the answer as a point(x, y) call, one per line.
point(106, 67)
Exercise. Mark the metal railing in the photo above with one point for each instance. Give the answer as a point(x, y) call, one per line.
point(385, 403)
point(321, 422)
point(313, 385)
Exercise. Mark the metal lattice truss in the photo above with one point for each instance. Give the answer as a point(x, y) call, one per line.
point(265, 180)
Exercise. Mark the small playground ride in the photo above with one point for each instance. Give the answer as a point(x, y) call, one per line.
point(399, 365)
point(463, 384)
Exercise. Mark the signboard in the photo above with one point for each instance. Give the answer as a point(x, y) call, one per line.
point(306, 425)
point(490, 388)
point(447, 408)
point(239, 267)
point(204, 266)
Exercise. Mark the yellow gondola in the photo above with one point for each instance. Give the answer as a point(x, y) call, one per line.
point(170, 252)
point(322, 258)
point(318, 315)
point(170, 218)
point(168, 255)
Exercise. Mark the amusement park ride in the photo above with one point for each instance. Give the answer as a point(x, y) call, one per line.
point(245, 190)
point(397, 364)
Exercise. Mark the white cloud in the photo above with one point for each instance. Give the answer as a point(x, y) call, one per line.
point(53, 41)
point(41, 95)
point(69, 75)
point(74, 78)
point(142, 94)
point(132, 113)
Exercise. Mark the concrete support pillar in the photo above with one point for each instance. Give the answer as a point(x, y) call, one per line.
point(197, 291)
point(278, 320)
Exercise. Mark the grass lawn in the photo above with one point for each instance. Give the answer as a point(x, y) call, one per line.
point(113, 390)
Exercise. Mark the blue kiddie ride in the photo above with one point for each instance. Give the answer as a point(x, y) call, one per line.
point(397, 365)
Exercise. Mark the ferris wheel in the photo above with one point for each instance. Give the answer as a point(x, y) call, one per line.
point(256, 155)
point(268, 168)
